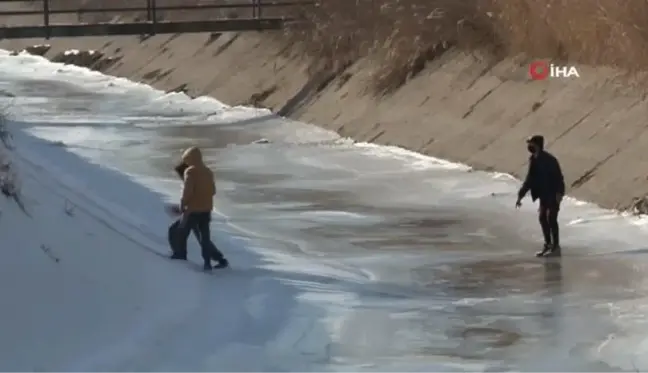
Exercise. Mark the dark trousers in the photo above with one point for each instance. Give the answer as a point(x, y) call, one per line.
point(548, 216)
point(198, 223)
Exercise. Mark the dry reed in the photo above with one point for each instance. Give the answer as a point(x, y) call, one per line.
point(404, 34)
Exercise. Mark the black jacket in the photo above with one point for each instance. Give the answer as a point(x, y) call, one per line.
point(544, 178)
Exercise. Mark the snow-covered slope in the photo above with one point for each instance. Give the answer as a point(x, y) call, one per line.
point(81, 289)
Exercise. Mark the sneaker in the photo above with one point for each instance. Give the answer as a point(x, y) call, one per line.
point(545, 250)
point(223, 263)
point(177, 256)
point(207, 266)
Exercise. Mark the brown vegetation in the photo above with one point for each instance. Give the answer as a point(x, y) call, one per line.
point(9, 185)
point(404, 34)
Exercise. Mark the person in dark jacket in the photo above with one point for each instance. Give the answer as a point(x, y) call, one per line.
point(546, 182)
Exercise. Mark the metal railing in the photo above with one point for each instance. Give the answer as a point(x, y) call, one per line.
point(155, 23)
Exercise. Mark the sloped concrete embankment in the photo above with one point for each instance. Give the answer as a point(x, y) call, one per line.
point(458, 107)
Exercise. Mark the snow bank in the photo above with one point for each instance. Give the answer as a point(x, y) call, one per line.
point(82, 290)
point(65, 276)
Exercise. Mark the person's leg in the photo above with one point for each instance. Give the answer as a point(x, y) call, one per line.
point(179, 236)
point(543, 218)
point(553, 226)
point(209, 250)
point(171, 235)
point(196, 232)
point(216, 255)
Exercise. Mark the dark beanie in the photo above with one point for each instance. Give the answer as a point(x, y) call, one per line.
point(537, 140)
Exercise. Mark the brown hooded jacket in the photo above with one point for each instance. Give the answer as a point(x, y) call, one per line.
point(199, 189)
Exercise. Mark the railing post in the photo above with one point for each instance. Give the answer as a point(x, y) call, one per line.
point(46, 20)
point(154, 15)
point(148, 10)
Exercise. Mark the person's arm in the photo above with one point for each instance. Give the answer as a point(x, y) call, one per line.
point(188, 187)
point(526, 185)
point(213, 184)
point(559, 179)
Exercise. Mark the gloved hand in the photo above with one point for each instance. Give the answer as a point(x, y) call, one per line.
point(173, 209)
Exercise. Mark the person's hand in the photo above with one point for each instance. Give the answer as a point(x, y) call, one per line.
point(518, 204)
point(173, 209)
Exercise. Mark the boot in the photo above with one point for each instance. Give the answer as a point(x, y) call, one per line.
point(554, 252)
point(207, 266)
point(223, 263)
point(547, 248)
point(178, 256)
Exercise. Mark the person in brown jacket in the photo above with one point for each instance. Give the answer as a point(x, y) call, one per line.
point(196, 205)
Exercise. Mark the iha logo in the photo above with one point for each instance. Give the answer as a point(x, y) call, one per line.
point(541, 70)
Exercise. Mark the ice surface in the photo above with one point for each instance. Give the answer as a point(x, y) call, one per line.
point(347, 256)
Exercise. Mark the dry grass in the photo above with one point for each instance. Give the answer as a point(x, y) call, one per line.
point(9, 180)
point(8, 176)
point(404, 34)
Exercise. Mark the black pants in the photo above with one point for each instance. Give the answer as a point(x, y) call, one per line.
point(198, 223)
point(548, 216)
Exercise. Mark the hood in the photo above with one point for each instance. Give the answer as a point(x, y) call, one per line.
point(192, 157)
